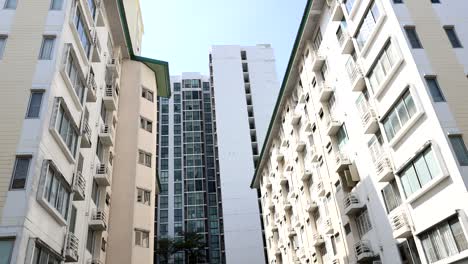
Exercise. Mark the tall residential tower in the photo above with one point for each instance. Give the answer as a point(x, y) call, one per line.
point(246, 86)
point(190, 199)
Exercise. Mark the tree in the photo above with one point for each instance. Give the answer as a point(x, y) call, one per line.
point(165, 248)
point(193, 245)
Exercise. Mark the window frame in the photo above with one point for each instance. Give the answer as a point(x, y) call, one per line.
point(141, 242)
point(4, 39)
point(13, 174)
point(451, 28)
point(35, 91)
point(145, 197)
point(51, 7)
point(45, 38)
point(433, 78)
point(457, 157)
point(7, 3)
point(413, 37)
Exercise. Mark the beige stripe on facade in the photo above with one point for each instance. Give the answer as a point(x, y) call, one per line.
point(450, 72)
point(16, 71)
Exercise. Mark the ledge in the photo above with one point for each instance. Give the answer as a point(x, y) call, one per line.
point(62, 145)
point(426, 188)
point(404, 130)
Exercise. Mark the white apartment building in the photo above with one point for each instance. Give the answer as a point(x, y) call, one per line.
point(365, 159)
point(245, 86)
point(71, 144)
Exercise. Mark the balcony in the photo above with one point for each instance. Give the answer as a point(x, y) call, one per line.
point(336, 260)
point(363, 251)
point(318, 59)
point(300, 146)
point(71, 248)
point(279, 155)
point(267, 182)
point(342, 161)
point(332, 125)
point(306, 175)
point(384, 169)
point(352, 204)
point(113, 66)
point(86, 135)
point(311, 206)
point(282, 179)
point(400, 225)
point(111, 98)
point(325, 91)
point(286, 204)
point(319, 189)
point(327, 226)
point(106, 135)
point(95, 261)
point(369, 120)
point(295, 118)
point(98, 220)
point(313, 153)
point(92, 88)
point(317, 240)
point(291, 232)
point(277, 218)
point(102, 176)
point(300, 253)
point(355, 75)
point(296, 221)
point(345, 41)
point(79, 187)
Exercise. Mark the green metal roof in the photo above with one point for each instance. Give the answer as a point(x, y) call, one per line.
point(160, 68)
point(284, 84)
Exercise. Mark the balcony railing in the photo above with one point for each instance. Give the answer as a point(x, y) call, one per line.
point(352, 204)
point(327, 226)
point(369, 120)
point(102, 176)
point(111, 98)
point(92, 88)
point(325, 91)
point(107, 135)
point(319, 189)
point(363, 250)
point(345, 41)
point(342, 161)
point(71, 249)
point(86, 135)
point(400, 225)
point(317, 239)
point(355, 75)
point(98, 220)
point(79, 187)
point(332, 125)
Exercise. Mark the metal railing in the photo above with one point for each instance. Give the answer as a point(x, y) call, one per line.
point(107, 129)
point(353, 70)
point(99, 215)
point(72, 244)
point(111, 92)
point(91, 83)
point(80, 181)
point(363, 248)
point(399, 220)
point(351, 199)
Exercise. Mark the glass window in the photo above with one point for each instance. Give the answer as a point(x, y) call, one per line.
point(6, 249)
point(82, 31)
point(74, 74)
point(367, 25)
point(144, 196)
point(10, 4)
point(47, 48)
point(147, 94)
point(43, 255)
point(142, 238)
point(56, 4)
point(20, 172)
point(342, 137)
point(443, 240)
point(363, 223)
point(422, 169)
point(397, 117)
point(434, 89)
point(382, 67)
point(459, 147)
point(413, 37)
point(3, 40)
point(391, 196)
point(66, 129)
point(56, 191)
point(92, 7)
point(34, 104)
point(452, 36)
point(144, 158)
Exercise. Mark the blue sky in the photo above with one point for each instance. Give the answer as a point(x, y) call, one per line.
point(182, 31)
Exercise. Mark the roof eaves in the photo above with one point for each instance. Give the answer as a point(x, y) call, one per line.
point(283, 86)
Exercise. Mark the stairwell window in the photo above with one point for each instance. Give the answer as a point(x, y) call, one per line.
point(142, 238)
point(444, 240)
point(34, 106)
point(143, 196)
point(402, 111)
point(459, 147)
point(66, 128)
point(363, 223)
point(420, 171)
point(47, 48)
point(3, 39)
point(434, 89)
point(10, 4)
point(144, 158)
point(391, 196)
point(413, 37)
point(20, 172)
point(82, 30)
point(146, 124)
point(367, 25)
point(452, 36)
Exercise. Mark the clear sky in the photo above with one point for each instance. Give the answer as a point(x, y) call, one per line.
point(182, 31)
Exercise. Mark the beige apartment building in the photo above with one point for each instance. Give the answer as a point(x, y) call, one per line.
point(78, 135)
point(365, 158)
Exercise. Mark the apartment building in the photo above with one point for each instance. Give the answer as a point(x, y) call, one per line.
point(244, 79)
point(190, 198)
point(365, 157)
point(77, 180)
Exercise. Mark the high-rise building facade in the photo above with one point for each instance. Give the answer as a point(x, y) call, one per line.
point(246, 86)
point(190, 198)
point(365, 158)
point(77, 181)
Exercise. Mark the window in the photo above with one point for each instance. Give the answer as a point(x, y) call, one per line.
point(82, 32)
point(444, 240)
point(399, 115)
point(90, 241)
point(382, 67)
point(349, 5)
point(398, 1)
point(459, 147)
point(144, 158)
point(342, 137)
point(363, 223)
point(20, 172)
point(146, 124)
point(56, 4)
point(421, 170)
point(3, 40)
point(177, 87)
point(143, 196)
point(95, 193)
point(56, 190)
point(391, 196)
point(142, 238)
point(34, 104)
point(317, 40)
point(10, 4)
point(367, 25)
point(73, 219)
point(434, 89)
point(47, 48)
point(147, 94)
point(75, 75)
point(66, 128)
point(42, 255)
point(435, 1)
point(6, 248)
point(92, 7)
point(413, 37)
point(452, 36)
